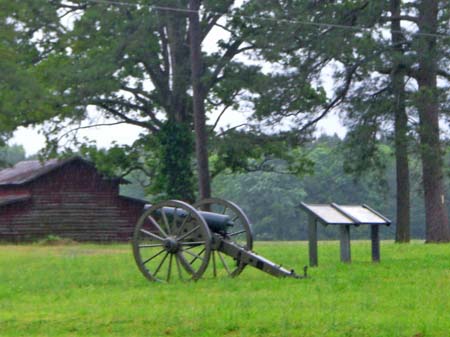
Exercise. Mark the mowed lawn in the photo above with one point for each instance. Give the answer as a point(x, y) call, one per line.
point(96, 290)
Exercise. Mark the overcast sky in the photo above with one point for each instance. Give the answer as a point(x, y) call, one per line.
point(126, 134)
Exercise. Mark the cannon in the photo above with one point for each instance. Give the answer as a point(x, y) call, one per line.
point(175, 239)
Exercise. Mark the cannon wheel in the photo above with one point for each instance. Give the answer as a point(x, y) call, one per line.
point(241, 234)
point(172, 246)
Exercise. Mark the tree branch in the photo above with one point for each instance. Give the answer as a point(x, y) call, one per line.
point(86, 127)
point(137, 168)
point(231, 129)
point(145, 101)
point(209, 21)
point(409, 18)
point(157, 79)
point(222, 112)
point(225, 29)
point(59, 4)
point(339, 97)
point(232, 51)
point(71, 10)
point(348, 80)
point(379, 92)
point(125, 118)
point(443, 73)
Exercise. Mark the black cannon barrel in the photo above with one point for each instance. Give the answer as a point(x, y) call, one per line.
point(216, 222)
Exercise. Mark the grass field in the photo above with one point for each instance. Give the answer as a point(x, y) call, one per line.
point(93, 290)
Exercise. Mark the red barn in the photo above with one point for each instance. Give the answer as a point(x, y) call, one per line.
point(67, 198)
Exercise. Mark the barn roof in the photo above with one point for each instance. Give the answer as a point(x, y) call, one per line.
point(29, 170)
point(12, 199)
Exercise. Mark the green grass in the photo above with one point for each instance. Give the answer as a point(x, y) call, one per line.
point(90, 290)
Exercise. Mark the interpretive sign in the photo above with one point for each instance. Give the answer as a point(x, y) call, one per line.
point(343, 216)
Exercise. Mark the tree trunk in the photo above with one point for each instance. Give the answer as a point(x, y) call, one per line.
point(437, 222)
point(175, 175)
point(176, 141)
point(201, 137)
point(402, 233)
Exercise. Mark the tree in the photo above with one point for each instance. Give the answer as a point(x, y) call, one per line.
point(22, 95)
point(428, 106)
point(421, 60)
point(372, 72)
point(11, 154)
point(271, 198)
point(401, 127)
point(198, 94)
point(378, 105)
point(417, 57)
point(131, 62)
point(316, 38)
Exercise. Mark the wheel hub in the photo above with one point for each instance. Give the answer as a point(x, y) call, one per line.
point(171, 245)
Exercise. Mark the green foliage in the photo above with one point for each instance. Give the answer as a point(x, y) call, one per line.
point(160, 165)
point(97, 290)
point(11, 154)
point(271, 199)
point(137, 163)
point(114, 161)
point(175, 166)
point(130, 63)
point(247, 151)
point(293, 93)
point(22, 95)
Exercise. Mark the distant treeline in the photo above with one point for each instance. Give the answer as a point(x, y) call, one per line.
point(272, 199)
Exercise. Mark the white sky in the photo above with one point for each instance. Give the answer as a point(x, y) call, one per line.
point(32, 141)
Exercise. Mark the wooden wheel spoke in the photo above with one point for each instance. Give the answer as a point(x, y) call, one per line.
point(190, 247)
point(151, 245)
point(237, 233)
point(197, 257)
point(180, 272)
point(214, 264)
point(194, 255)
point(194, 243)
point(225, 265)
point(169, 270)
point(183, 224)
point(224, 209)
point(160, 265)
point(175, 217)
point(165, 220)
point(157, 226)
point(152, 257)
point(186, 264)
point(189, 233)
point(157, 237)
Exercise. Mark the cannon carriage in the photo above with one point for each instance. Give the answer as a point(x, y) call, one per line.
point(173, 239)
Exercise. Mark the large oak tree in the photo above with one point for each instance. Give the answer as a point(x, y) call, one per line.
point(131, 62)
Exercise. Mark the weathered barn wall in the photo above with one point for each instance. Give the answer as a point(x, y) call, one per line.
point(72, 201)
